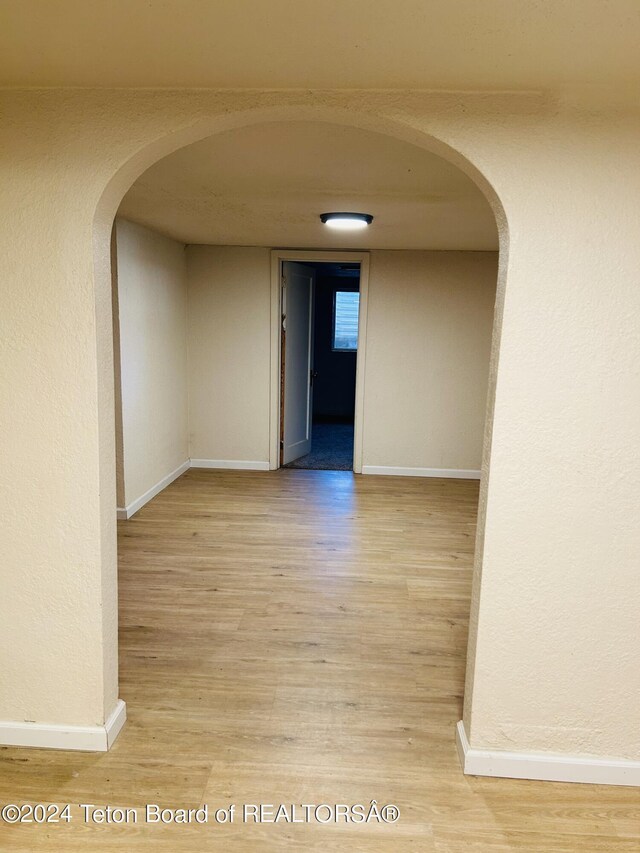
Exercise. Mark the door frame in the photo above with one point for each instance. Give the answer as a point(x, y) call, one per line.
point(317, 256)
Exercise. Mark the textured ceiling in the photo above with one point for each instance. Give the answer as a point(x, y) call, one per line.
point(266, 185)
point(425, 44)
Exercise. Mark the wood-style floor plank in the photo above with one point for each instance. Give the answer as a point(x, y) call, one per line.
point(300, 637)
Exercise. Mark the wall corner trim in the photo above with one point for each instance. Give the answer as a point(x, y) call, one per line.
point(57, 736)
point(546, 767)
point(231, 464)
point(124, 513)
point(446, 473)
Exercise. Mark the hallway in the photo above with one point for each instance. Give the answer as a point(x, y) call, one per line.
point(300, 637)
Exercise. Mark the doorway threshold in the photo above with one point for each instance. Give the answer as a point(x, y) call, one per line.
point(331, 449)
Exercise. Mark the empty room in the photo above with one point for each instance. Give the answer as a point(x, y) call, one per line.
point(320, 423)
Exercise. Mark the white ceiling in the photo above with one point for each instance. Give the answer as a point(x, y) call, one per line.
point(267, 184)
point(426, 44)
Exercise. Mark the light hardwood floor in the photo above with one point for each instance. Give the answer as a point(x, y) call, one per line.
point(300, 637)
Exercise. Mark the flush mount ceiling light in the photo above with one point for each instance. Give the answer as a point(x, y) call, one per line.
point(346, 221)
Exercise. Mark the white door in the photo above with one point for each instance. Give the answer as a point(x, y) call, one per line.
point(297, 360)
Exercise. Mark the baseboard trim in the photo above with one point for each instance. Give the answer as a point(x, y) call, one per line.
point(546, 767)
point(447, 473)
point(232, 464)
point(83, 738)
point(124, 513)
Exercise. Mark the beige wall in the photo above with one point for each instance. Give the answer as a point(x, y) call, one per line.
point(429, 325)
point(229, 350)
point(554, 642)
point(553, 663)
point(152, 297)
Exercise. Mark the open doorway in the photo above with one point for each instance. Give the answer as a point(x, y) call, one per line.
point(321, 330)
point(232, 334)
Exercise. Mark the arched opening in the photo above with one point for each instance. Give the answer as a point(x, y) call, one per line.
point(121, 184)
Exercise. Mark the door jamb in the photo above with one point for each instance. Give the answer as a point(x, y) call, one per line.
point(319, 256)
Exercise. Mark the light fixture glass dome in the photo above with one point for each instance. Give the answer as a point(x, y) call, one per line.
point(344, 221)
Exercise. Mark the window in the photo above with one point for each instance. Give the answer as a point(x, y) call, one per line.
point(345, 321)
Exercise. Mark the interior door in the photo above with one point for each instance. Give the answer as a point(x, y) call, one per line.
point(297, 360)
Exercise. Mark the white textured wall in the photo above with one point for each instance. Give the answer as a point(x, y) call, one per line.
point(152, 297)
point(429, 326)
point(554, 639)
point(229, 347)
point(555, 664)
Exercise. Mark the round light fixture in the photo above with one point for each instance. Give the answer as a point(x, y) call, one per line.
point(346, 221)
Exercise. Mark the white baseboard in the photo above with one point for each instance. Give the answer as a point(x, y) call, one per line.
point(233, 464)
point(447, 473)
point(85, 738)
point(123, 513)
point(547, 767)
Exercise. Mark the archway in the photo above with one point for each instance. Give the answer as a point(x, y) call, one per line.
point(128, 172)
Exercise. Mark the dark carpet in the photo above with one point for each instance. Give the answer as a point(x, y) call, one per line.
point(331, 449)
